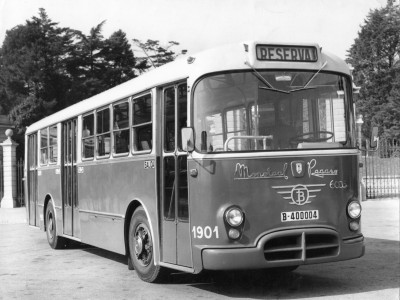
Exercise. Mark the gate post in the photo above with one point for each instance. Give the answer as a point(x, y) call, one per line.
point(9, 171)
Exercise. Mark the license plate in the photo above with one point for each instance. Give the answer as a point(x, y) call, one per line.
point(304, 215)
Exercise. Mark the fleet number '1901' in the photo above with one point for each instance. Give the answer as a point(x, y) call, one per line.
point(207, 232)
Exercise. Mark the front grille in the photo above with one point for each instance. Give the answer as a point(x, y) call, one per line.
point(301, 245)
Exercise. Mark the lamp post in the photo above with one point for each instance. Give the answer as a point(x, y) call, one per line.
point(359, 123)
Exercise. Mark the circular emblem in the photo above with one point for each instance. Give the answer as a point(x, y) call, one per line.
point(300, 195)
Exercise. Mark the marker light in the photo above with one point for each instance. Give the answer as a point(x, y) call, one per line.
point(354, 225)
point(354, 209)
point(234, 234)
point(234, 216)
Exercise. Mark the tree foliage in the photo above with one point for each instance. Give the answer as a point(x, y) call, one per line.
point(155, 55)
point(44, 67)
point(375, 57)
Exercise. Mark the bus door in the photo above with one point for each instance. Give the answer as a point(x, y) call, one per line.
point(175, 239)
point(69, 179)
point(32, 179)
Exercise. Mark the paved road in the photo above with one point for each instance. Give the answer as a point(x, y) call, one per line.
point(30, 269)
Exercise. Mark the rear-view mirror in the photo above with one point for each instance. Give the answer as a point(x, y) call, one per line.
point(187, 139)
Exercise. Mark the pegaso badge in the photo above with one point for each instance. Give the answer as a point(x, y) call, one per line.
point(298, 194)
point(298, 168)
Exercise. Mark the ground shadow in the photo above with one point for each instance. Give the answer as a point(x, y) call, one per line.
point(106, 254)
point(377, 270)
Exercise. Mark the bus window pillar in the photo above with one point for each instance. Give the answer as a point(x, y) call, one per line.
point(9, 171)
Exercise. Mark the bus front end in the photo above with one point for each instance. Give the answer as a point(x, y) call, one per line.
point(273, 175)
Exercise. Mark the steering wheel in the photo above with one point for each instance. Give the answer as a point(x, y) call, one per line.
point(312, 137)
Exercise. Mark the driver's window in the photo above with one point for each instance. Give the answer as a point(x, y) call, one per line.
point(331, 115)
point(236, 125)
point(216, 132)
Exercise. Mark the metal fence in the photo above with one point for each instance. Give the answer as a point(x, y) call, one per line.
point(381, 171)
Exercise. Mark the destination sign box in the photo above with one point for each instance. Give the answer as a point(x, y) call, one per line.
point(286, 53)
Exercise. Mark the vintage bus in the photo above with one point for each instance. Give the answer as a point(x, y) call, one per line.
point(239, 157)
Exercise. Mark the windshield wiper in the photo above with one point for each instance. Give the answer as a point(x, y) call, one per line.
point(263, 80)
point(309, 81)
point(271, 88)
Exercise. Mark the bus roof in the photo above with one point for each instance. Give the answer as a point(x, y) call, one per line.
point(256, 54)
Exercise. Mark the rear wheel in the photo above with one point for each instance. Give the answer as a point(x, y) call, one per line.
point(55, 241)
point(141, 248)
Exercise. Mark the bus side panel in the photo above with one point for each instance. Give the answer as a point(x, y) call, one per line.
point(49, 183)
point(105, 191)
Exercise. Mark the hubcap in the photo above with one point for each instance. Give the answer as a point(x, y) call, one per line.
point(50, 226)
point(143, 245)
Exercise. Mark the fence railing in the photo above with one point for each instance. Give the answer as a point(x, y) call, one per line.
point(381, 171)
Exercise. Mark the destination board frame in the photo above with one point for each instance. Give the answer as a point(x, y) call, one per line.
point(290, 48)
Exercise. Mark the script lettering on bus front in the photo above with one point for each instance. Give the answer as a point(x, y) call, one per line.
point(321, 173)
point(242, 173)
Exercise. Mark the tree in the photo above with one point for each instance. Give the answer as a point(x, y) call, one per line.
point(32, 59)
point(375, 57)
point(44, 68)
point(51, 67)
point(120, 60)
point(87, 63)
point(155, 55)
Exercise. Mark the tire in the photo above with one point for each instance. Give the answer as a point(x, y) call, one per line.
point(141, 249)
point(55, 241)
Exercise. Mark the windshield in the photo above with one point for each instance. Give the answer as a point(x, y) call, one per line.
point(272, 110)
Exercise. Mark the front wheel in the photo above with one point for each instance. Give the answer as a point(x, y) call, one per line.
point(141, 248)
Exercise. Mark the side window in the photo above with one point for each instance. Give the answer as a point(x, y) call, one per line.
point(182, 111)
point(103, 138)
point(43, 146)
point(88, 136)
point(169, 119)
point(142, 126)
point(53, 149)
point(121, 128)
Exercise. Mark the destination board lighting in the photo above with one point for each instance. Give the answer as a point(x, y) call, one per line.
point(286, 53)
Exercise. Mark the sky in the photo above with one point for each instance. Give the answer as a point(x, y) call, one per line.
point(201, 24)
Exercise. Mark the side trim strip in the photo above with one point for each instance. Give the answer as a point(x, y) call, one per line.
point(92, 212)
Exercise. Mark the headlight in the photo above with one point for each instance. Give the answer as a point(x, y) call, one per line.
point(234, 216)
point(354, 209)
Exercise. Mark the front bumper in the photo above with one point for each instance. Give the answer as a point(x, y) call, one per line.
point(286, 248)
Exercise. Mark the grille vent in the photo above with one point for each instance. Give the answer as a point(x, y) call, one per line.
point(301, 246)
